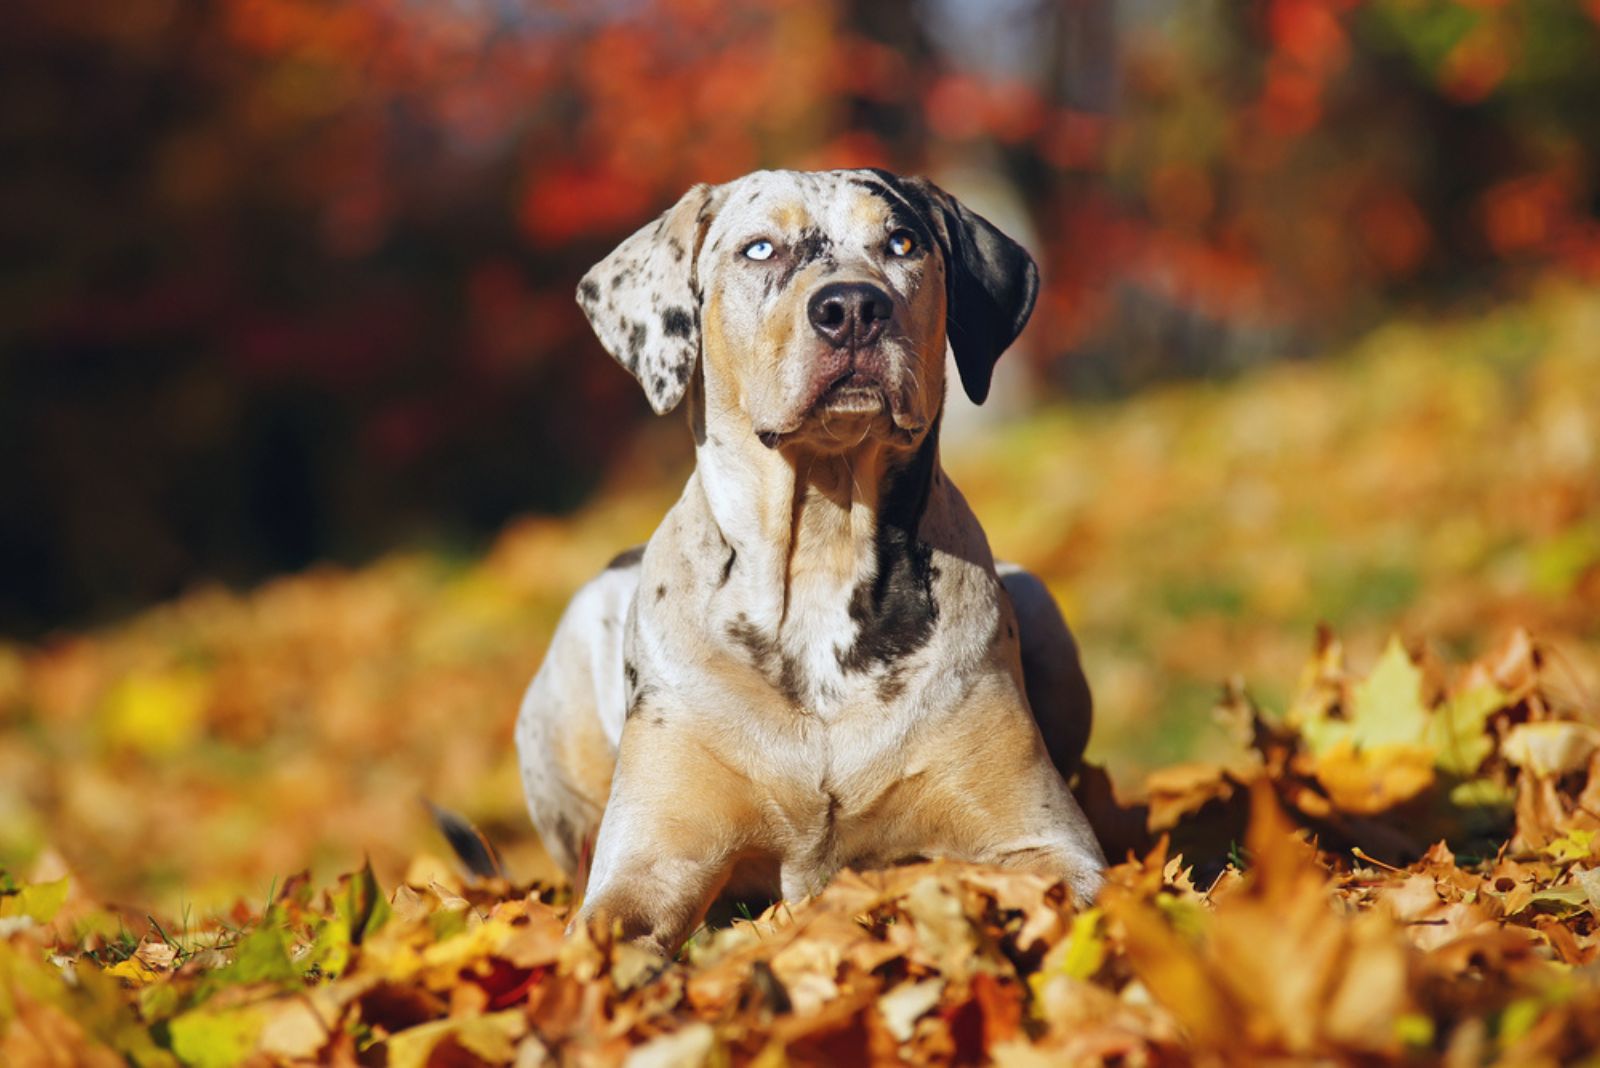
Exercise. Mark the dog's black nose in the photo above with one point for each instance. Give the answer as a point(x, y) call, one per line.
point(850, 314)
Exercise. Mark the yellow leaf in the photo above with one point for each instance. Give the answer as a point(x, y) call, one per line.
point(1574, 845)
point(1374, 780)
point(1385, 708)
point(133, 969)
point(1084, 947)
point(491, 1038)
point(37, 901)
point(1415, 1030)
point(156, 712)
point(1171, 968)
point(1388, 702)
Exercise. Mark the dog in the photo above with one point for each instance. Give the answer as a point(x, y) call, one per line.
point(814, 662)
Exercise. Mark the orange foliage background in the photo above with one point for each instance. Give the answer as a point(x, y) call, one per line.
point(292, 280)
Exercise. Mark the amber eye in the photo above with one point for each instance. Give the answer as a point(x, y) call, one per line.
point(902, 243)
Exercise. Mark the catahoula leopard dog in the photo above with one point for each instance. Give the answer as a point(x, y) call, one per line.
point(815, 661)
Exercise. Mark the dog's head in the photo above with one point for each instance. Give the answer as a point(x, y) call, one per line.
point(816, 304)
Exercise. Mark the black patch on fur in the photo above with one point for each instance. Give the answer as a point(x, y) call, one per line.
point(567, 835)
point(891, 684)
point(626, 558)
point(991, 282)
point(781, 669)
point(660, 383)
point(812, 244)
point(895, 613)
point(636, 339)
point(588, 292)
point(791, 680)
point(661, 592)
point(633, 693)
point(745, 634)
point(677, 322)
point(618, 278)
point(675, 247)
point(637, 701)
point(906, 211)
point(727, 568)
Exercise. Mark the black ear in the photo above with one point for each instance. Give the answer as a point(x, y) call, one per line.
point(643, 300)
point(992, 282)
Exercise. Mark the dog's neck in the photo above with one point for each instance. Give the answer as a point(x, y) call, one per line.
point(805, 525)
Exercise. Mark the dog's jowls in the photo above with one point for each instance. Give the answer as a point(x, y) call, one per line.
point(815, 661)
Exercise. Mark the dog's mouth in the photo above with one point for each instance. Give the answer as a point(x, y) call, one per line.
point(855, 392)
point(848, 408)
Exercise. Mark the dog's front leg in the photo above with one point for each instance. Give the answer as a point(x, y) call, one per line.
point(1000, 800)
point(677, 820)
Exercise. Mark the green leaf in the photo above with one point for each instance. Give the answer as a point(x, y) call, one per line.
point(1562, 899)
point(1457, 732)
point(205, 1039)
point(446, 923)
point(330, 947)
point(1518, 1018)
point(359, 909)
point(262, 956)
point(361, 904)
point(1385, 709)
point(1482, 793)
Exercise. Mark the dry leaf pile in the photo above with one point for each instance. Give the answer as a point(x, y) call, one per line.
point(1404, 868)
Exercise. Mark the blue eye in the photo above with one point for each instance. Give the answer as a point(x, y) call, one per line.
point(759, 250)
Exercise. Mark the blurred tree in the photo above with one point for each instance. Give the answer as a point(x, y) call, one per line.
point(290, 279)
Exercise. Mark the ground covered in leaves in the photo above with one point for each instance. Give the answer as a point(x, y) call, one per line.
point(1281, 934)
point(1376, 853)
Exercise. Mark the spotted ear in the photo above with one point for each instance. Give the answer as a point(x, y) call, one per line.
point(991, 280)
point(643, 300)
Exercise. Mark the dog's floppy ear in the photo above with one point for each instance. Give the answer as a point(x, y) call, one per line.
point(992, 282)
point(643, 300)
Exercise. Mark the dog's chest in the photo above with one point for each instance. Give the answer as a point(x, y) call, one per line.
point(831, 647)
